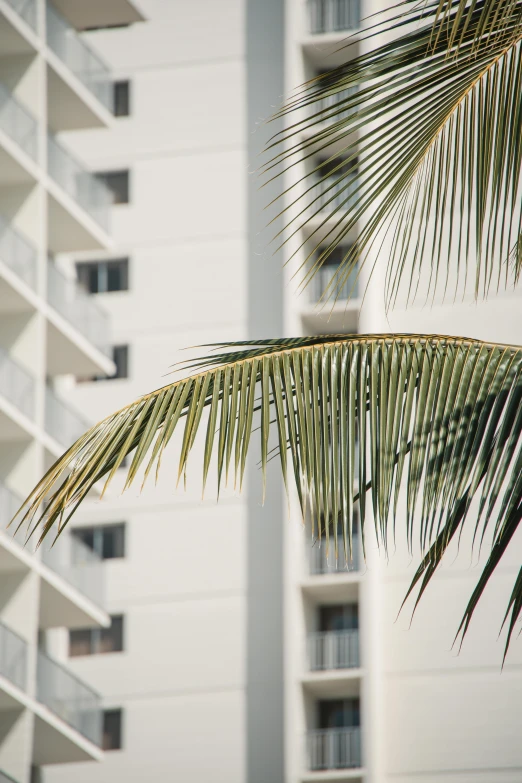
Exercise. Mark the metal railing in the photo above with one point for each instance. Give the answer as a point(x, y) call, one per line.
point(323, 563)
point(17, 122)
point(333, 192)
point(16, 384)
point(333, 650)
point(5, 778)
point(332, 16)
point(13, 657)
point(27, 10)
point(90, 69)
point(323, 288)
point(71, 559)
point(69, 698)
point(86, 189)
point(66, 296)
point(17, 253)
point(62, 422)
point(10, 502)
point(329, 103)
point(334, 748)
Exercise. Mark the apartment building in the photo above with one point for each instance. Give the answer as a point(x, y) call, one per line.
point(50, 81)
point(238, 651)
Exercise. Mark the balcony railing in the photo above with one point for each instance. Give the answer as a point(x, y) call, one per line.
point(27, 10)
point(16, 384)
point(10, 502)
point(334, 748)
point(13, 657)
point(332, 16)
point(324, 287)
point(333, 650)
point(331, 102)
point(90, 193)
point(333, 192)
point(77, 564)
point(86, 65)
point(69, 698)
point(78, 308)
point(61, 421)
point(17, 122)
point(323, 563)
point(5, 778)
point(17, 253)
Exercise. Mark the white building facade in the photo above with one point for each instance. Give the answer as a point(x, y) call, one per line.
point(243, 655)
point(50, 81)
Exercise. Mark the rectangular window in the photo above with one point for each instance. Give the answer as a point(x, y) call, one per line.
point(95, 641)
point(112, 730)
point(100, 277)
point(338, 713)
point(108, 541)
point(121, 98)
point(338, 617)
point(118, 184)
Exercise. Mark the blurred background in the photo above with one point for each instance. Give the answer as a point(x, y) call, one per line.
point(165, 637)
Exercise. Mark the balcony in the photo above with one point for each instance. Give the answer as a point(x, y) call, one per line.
point(78, 308)
point(21, 128)
point(69, 698)
point(329, 103)
point(332, 749)
point(17, 386)
point(323, 563)
point(62, 422)
point(77, 564)
point(82, 186)
point(5, 778)
point(13, 658)
point(18, 254)
point(26, 9)
point(79, 58)
point(333, 650)
point(333, 16)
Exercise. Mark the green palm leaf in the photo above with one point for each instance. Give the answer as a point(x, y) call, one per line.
point(436, 162)
point(436, 420)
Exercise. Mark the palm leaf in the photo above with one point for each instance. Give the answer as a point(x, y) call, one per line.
point(436, 420)
point(436, 114)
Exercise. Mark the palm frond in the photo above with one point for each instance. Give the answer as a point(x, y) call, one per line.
point(360, 421)
point(420, 141)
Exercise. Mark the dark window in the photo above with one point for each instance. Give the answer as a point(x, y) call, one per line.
point(112, 720)
point(121, 98)
point(337, 167)
point(327, 283)
point(338, 713)
point(342, 617)
point(120, 357)
point(94, 641)
point(99, 277)
point(118, 184)
point(108, 541)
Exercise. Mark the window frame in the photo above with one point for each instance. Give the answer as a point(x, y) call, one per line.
point(119, 83)
point(112, 711)
point(97, 636)
point(102, 269)
point(105, 176)
point(98, 532)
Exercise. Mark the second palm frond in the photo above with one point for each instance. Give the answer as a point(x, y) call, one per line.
point(414, 427)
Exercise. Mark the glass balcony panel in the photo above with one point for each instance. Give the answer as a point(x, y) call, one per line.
point(61, 421)
point(10, 502)
point(330, 102)
point(27, 10)
point(77, 564)
point(13, 657)
point(333, 192)
point(17, 122)
point(5, 778)
point(332, 16)
point(69, 698)
point(88, 191)
point(78, 308)
point(17, 253)
point(86, 65)
point(16, 384)
point(325, 287)
point(334, 748)
point(322, 562)
point(333, 650)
